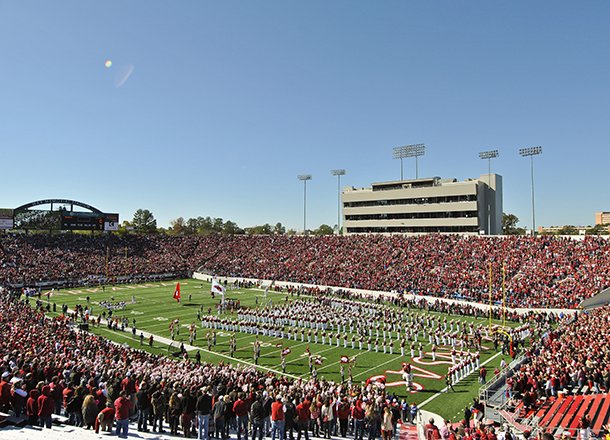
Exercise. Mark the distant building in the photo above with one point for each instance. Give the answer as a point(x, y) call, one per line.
point(426, 205)
point(556, 230)
point(602, 218)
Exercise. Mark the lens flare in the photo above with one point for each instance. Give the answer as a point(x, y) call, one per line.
point(108, 64)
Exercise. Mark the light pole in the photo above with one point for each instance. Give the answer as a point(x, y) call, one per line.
point(531, 152)
point(338, 173)
point(304, 178)
point(489, 155)
point(414, 150)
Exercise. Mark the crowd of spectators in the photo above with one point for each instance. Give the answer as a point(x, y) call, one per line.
point(539, 272)
point(48, 368)
point(571, 358)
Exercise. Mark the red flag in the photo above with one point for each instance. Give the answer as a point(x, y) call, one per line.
point(177, 292)
point(318, 360)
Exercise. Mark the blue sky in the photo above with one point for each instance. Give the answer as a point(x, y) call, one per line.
point(213, 108)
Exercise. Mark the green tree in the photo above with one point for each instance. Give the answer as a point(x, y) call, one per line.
point(231, 228)
point(598, 230)
point(217, 225)
point(279, 229)
point(509, 225)
point(144, 221)
point(324, 230)
point(205, 225)
point(178, 227)
point(192, 225)
point(568, 230)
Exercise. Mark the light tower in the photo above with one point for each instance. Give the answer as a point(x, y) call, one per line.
point(531, 152)
point(414, 150)
point(489, 155)
point(304, 178)
point(338, 173)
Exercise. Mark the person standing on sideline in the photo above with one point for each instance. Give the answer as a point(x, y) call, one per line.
point(277, 418)
point(241, 407)
point(159, 407)
point(122, 407)
point(45, 407)
point(303, 416)
point(257, 418)
point(204, 407)
point(386, 424)
point(358, 416)
point(143, 407)
point(482, 375)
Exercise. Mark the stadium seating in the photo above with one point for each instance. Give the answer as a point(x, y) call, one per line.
point(540, 272)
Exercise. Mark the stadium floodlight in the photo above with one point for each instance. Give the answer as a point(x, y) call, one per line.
point(489, 155)
point(414, 150)
point(304, 178)
point(338, 173)
point(531, 152)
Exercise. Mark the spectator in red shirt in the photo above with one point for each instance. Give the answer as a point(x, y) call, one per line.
point(241, 407)
point(122, 406)
point(46, 405)
point(431, 430)
point(5, 392)
point(343, 416)
point(358, 416)
point(277, 418)
point(303, 416)
point(31, 407)
point(105, 419)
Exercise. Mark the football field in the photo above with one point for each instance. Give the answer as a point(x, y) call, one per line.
point(153, 308)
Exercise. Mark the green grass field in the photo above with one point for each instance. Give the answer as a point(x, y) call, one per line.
point(154, 309)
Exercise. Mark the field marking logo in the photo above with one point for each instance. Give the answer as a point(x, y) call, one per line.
point(262, 344)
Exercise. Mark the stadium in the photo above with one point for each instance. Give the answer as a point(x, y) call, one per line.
point(473, 332)
point(372, 220)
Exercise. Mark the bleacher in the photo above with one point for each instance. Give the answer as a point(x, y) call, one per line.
point(563, 414)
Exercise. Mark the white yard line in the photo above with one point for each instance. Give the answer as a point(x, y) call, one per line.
point(168, 342)
point(376, 367)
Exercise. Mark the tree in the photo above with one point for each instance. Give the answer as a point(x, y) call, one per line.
point(144, 221)
point(178, 227)
point(324, 230)
point(231, 228)
point(192, 225)
point(217, 225)
point(205, 225)
point(568, 230)
point(509, 225)
point(598, 230)
point(279, 229)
